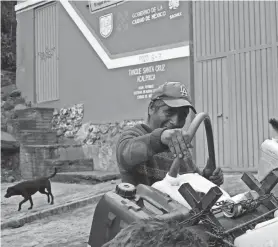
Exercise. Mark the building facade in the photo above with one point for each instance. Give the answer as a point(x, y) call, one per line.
point(109, 55)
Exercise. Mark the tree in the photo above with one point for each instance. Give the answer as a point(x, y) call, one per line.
point(8, 35)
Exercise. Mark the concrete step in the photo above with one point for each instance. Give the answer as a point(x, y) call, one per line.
point(89, 177)
point(32, 159)
point(39, 160)
point(55, 151)
point(35, 113)
point(39, 137)
point(71, 152)
point(20, 124)
point(78, 165)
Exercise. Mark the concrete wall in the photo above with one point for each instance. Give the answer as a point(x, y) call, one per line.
point(83, 78)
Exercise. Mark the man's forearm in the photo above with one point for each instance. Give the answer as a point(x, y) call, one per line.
point(194, 166)
point(191, 167)
point(133, 150)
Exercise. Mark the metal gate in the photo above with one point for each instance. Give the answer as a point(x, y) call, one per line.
point(46, 53)
point(236, 77)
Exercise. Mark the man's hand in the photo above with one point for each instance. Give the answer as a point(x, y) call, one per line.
point(217, 177)
point(173, 138)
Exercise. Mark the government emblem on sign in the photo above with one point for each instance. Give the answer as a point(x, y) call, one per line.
point(106, 25)
point(174, 4)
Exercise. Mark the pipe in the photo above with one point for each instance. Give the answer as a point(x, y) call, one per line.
point(190, 133)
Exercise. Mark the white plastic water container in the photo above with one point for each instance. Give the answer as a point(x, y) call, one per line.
point(268, 157)
point(263, 235)
point(171, 185)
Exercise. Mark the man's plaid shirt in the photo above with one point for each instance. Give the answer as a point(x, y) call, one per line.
point(141, 156)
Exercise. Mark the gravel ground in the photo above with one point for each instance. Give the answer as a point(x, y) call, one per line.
point(63, 193)
point(70, 229)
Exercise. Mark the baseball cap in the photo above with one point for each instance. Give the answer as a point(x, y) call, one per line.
point(174, 94)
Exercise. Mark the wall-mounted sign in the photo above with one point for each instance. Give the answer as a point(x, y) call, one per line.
point(146, 79)
point(95, 5)
point(139, 26)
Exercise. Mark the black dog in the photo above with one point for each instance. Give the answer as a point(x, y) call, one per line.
point(30, 187)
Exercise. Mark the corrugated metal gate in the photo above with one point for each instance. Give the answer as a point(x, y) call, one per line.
point(236, 77)
point(46, 53)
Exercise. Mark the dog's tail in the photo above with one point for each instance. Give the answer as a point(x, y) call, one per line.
point(55, 171)
point(274, 124)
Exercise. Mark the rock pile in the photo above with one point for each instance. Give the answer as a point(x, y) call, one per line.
point(104, 138)
point(91, 133)
point(11, 100)
point(10, 166)
point(9, 103)
point(7, 78)
point(98, 140)
point(67, 121)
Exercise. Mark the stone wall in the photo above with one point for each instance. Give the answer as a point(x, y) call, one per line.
point(10, 165)
point(67, 121)
point(37, 161)
point(11, 100)
point(32, 160)
point(98, 141)
point(7, 78)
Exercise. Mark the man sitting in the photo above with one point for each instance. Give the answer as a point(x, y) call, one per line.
point(146, 151)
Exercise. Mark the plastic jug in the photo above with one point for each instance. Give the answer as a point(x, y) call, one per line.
point(126, 204)
point(268, 157)
point(264, 234)
point(170, 186)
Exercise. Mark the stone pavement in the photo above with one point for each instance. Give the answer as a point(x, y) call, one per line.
point(72, 196)
point(66, 197)
point(70, 229)
point(234, 185)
